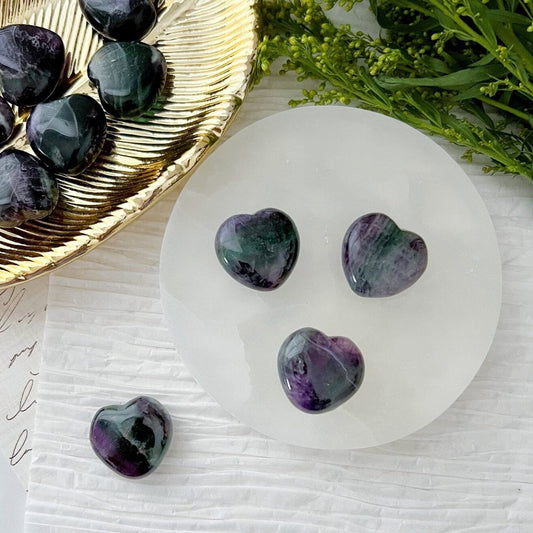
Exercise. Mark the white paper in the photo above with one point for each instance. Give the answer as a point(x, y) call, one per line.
point(22, 319)
point(12, 499)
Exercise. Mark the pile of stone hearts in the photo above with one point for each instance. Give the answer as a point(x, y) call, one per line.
point(318, 373)
point(67, 134)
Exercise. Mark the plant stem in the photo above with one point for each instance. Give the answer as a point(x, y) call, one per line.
point(504, 107)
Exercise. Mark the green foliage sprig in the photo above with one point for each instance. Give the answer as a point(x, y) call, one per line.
point(462, 69)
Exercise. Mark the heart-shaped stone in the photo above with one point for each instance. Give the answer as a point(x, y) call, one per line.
point(67, 134)
point(258, 250)
point(27, 189)
point(318, 373)
point(133, 438)
point(31, 63)
point(7, 121)
point(380, 259)
point(120, 20)
point(129, 77)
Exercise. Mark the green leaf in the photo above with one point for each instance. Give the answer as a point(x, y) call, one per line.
point(516, 47)
point(485, 60)
point(502, 15)
point(483, 21)
point(477, 110)
point(470, 92)
point(436, 65)
point(456, 80)
point(445, 21)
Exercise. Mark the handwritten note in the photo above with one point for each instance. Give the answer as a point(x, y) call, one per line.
point(22, 318)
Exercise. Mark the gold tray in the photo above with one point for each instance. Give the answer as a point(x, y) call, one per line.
point(210, 47)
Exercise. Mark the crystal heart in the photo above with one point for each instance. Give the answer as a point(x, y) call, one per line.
point(67, 134)
point(318, 373)
point(120, 20)
point(380, 259)
point(258, 250)
point(27, 189)
point(7, 121)
point(31, 63)
point(133, 438)
point(129, 77)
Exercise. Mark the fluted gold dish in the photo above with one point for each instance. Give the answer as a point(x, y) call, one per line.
point(209, 46)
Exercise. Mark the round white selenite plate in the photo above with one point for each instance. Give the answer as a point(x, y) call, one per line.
point(325, 167)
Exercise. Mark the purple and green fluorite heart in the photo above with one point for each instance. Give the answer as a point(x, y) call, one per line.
point(258, 250)
point(380, 259)
point(133, 438)
point(318, 373)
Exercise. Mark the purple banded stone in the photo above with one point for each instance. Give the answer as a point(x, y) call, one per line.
point(27, 190)
point(133, 438)
point(318, 373)
point(7, 121)
point(120, 20)
point(31, 63)
point(379, 259)
point(258, 250)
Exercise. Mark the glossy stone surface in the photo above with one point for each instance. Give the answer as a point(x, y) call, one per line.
point(380, 259)
point(31, 63)
point(27, 189)
point(67, 134)
point(120, 20)
point(258, 250)
point(129, 77)
point(7, 121)
point(133, 438)
point(318, 373)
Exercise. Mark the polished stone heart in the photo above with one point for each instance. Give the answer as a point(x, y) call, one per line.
point(129, 77)
point(67, 134)
point(7, 121)
point(380, 259)
point(133, 438)
point(31, 63)
point(120, 20)
point(27, 189)
point(258, 250)
point(318, 373)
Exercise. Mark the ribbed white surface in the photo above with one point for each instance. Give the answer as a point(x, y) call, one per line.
point(471, 470)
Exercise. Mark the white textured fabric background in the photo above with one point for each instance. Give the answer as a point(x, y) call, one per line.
point(106, 342)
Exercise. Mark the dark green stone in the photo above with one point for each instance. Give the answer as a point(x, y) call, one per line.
point(67, 134)
point(129, 77)
point(120, 20)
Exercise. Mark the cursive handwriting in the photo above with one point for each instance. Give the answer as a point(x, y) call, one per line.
point(28, 350)
point(18, 316)
point(10, 299)
point(19, 450)
point(28, 317)
point(24, 402)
